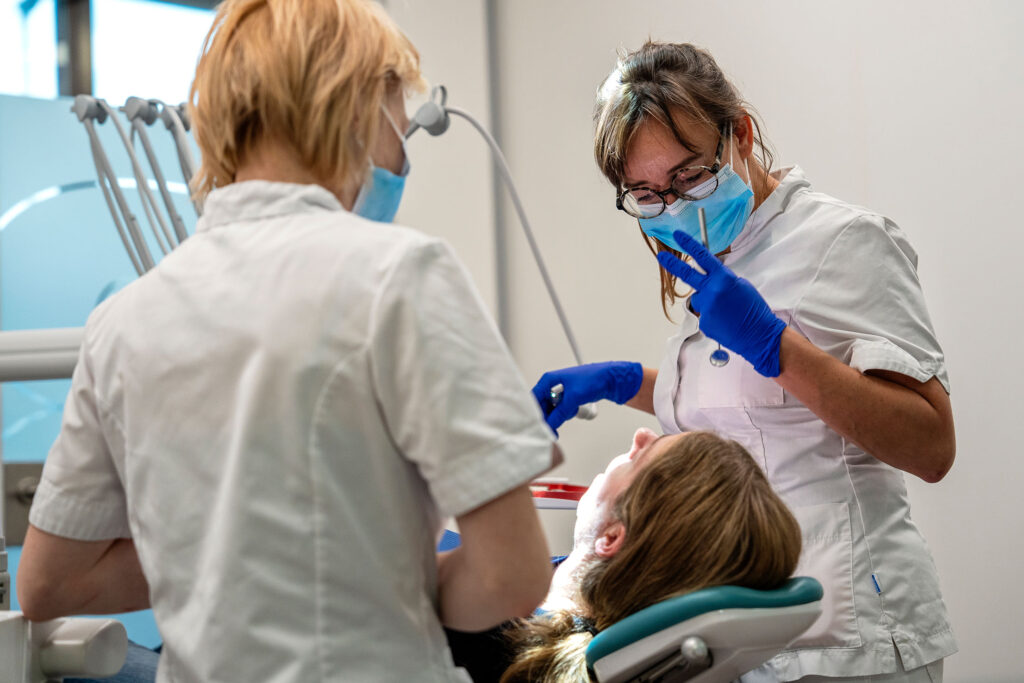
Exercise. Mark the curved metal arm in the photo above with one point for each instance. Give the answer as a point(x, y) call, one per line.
point(139, 112)
point(433, 117)
point(142, 184)
point(175, 118)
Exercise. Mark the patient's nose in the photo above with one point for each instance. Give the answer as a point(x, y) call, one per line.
point(641, 439)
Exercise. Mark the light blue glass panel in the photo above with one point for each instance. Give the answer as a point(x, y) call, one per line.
point(60, 254)
point(144, 48)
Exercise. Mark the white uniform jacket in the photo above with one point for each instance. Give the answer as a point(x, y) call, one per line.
point(277, 414)
point(846, 279)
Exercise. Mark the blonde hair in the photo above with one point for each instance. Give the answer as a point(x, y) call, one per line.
point(312, 74)
point(701, 514)
point(665, 82)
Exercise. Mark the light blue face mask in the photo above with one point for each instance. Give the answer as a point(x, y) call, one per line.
point(381, 193)
point(726, 211)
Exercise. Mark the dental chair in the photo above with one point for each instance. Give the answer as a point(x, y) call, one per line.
point(51, 650)
point(708, 636)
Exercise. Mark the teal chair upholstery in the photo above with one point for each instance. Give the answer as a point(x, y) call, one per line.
point(715, 634)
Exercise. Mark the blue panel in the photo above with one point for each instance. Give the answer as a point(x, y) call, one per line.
point(449, 541)
point(60, 255)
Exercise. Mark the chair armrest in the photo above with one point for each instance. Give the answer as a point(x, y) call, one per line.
point(80, 647)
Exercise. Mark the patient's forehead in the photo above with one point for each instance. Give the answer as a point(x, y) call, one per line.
point(661, 445)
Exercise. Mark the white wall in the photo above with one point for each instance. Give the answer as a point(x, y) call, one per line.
point(448, 193)
point(911, 108)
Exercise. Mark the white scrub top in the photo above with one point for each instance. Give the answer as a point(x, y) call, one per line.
point(846, 279)
point(277, 414)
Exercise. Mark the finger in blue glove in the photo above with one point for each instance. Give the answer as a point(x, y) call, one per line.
point(616, 381)
point(732, 311)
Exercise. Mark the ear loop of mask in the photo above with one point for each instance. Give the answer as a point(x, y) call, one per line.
point(401, 139)
point(746, 162)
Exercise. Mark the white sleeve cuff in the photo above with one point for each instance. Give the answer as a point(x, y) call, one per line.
point(882, 354)
point(477, 478)
point(57, 513)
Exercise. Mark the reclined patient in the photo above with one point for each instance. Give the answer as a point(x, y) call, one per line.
point(675, 514)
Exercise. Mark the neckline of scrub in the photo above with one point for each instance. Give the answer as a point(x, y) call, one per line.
point(257, 199)
point(791, 179)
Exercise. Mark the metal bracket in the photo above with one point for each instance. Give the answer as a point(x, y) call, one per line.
point(20, 482)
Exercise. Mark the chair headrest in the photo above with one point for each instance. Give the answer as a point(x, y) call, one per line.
point(799, 590)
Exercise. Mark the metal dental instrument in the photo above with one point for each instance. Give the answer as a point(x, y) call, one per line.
point(587, 411)
point(140, 112)
point(433, 117)
point(146, 195)
point(87, 109)
point(719, 356)
point(176, 120)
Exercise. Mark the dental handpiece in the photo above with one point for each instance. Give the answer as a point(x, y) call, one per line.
point(588, 411)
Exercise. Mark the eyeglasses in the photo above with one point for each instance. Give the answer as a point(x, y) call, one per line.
point(689, 184)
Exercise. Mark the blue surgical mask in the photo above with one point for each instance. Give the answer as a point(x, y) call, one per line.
point(726, 211)
point(381, 193)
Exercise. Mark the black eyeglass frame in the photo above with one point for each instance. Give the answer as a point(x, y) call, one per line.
point(713, 170)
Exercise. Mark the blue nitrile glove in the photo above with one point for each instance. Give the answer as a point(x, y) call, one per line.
point(732, 312)
point(616, 381)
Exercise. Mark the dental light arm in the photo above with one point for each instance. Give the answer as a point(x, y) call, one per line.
point(433, 117)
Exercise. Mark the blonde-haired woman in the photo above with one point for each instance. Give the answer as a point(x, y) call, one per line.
point(805, 337)
point(673, 515)
point(263, 432)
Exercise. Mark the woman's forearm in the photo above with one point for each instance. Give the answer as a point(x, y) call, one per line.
point(116, 582)
point(898, 420)
point(644, 399)
point(60, 576)
point(501, 569)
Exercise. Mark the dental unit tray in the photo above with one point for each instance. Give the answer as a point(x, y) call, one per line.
point(712, 635)
point(556, 495)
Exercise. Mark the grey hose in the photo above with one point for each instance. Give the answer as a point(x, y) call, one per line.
point(161, 182)
point(140, 178)
point(140, 257)
point(507, 175)
point(178, 131)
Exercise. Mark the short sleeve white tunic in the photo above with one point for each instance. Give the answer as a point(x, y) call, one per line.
point(846, 279)
point(277, 415)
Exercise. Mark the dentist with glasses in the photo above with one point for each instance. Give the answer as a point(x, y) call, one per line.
point(804, 336)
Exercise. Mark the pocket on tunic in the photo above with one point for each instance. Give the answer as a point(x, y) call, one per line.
point(731, 398)
point(736, 384)
point(827, 555)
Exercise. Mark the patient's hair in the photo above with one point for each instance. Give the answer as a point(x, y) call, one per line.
point(700, 514)
point(311, 74)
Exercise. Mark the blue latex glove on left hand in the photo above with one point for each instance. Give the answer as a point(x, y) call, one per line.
point(616, 381)
point(732, 311)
